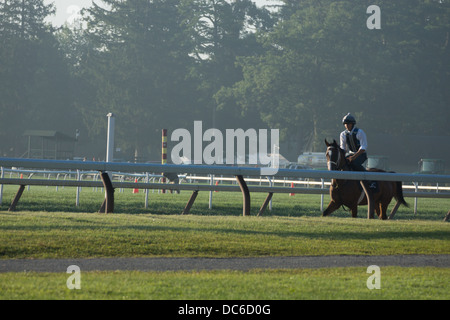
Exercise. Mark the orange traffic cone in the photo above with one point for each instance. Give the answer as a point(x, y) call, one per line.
point(135, 190)
point(292, 186)
point(217, 183)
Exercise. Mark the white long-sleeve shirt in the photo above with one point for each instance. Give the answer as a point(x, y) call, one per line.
point(360, 135)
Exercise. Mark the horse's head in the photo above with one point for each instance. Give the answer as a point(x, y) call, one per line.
point(335, 156)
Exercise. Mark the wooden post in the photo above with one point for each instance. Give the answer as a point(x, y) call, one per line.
point(191, 201)
point(447, 217)
point(266, 202)
point(245, 195)
point(108, 203)
point(16, 199)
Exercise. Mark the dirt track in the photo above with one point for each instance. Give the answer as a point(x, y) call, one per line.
point(178, 264)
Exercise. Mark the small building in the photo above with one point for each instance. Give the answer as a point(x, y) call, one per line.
point(431, 166)
point(379, 162)
point(49, 144)
point(316, 160)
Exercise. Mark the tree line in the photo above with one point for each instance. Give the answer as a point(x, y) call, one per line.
point(298, 66)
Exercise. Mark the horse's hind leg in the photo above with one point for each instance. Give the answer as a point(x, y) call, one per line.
point(394, 210)
point(354, 211)
point(383, 207)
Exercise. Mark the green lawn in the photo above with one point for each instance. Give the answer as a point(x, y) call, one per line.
point(83, 235)
point(224, 203)
point(317, 284)
point(48, 225)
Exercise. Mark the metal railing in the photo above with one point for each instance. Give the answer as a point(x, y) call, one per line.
point(251, 174)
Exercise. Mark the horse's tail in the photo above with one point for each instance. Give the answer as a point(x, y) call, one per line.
point(399, 193)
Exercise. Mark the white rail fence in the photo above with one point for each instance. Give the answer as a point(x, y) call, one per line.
point(79, 174)
point(211, 180)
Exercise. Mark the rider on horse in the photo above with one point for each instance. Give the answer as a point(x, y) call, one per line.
point(354, 142)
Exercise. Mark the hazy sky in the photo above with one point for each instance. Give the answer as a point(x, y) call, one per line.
point(66, 10)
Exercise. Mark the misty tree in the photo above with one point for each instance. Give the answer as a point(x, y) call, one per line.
point(157, 64)
point(321, 61)
point(24, 19)
point(33, 74)
point(138, 65)
point(222, 31)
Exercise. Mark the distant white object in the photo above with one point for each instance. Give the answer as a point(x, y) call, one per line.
point(313, 159)
point(110, 138)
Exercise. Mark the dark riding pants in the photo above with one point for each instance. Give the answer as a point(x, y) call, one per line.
point(357, 164)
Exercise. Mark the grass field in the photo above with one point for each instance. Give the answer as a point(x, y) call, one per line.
point(48, 225)
point(318, 284)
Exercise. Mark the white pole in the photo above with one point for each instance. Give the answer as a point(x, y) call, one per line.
point(271, 185)
point(110, 140)
point(146, 190)
point(211, 183)
point(77, 200)
point(1, 186)
point(321, 196)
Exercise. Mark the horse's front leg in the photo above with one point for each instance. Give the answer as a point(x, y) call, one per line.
point(332, 206)
point(378, 209)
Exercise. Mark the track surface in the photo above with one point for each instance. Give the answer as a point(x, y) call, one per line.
point(243, 264)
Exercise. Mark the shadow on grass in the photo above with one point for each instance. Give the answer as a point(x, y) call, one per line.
point(223, 204)
point(309, 231)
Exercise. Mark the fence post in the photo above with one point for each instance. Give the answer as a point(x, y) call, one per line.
point(16, 199)
point(321, 196)
point(266, 202)
point(415, 199)
point(146, 190)
point(77, 200)
point(447, 217)
point(270, 185)
point(245, 195)
point(1, 186)
point(190, 202)
point(108, 203)
point(211, 183)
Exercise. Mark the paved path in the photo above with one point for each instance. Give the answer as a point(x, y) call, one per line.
point(177, 264)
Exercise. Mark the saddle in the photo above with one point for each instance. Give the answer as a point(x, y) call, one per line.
point(373, 185)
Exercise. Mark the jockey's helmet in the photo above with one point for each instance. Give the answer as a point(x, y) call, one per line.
point(348, 119)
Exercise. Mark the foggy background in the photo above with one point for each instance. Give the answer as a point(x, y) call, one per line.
point(297, 66)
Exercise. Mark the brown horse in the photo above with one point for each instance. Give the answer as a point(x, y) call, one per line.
point(349, 192)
